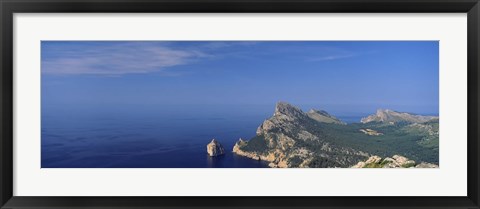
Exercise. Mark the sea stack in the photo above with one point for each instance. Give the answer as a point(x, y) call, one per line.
point(214, 148)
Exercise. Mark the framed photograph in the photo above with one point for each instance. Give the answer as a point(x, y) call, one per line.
point(239, 104)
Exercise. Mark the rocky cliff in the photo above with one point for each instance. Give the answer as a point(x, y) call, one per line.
point(289, 139)
point(214, 148)
point(397, 161)
point(323, 116)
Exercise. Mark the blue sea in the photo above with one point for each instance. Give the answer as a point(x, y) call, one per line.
point(148, 136)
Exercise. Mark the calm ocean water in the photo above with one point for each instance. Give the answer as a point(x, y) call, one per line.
point(148, 137)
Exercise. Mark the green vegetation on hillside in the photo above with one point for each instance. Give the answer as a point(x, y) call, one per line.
point(257, 144)
point(400, 138)
point(396, 139)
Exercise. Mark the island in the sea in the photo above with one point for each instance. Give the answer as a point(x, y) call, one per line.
point(214, 148)
point(292, 138)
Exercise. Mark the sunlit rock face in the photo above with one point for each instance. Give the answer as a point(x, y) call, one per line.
point(214, 148)
point(397, 161)
point(281, 141)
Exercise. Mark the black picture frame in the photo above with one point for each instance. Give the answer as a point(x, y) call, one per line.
point(9, 7)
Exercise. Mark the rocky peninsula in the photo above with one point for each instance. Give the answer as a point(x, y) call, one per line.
point(293, 138)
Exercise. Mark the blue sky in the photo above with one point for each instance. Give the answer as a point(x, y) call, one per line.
point(344, 76)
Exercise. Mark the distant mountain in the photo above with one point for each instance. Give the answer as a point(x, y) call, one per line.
point(390, 116)
point(293, 138)
point(396, 161)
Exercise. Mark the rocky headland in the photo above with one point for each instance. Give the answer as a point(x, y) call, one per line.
point(395, 161)
point(293, 138)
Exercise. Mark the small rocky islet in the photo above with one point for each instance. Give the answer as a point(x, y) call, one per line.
point(292, 138)
point(214, 148)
